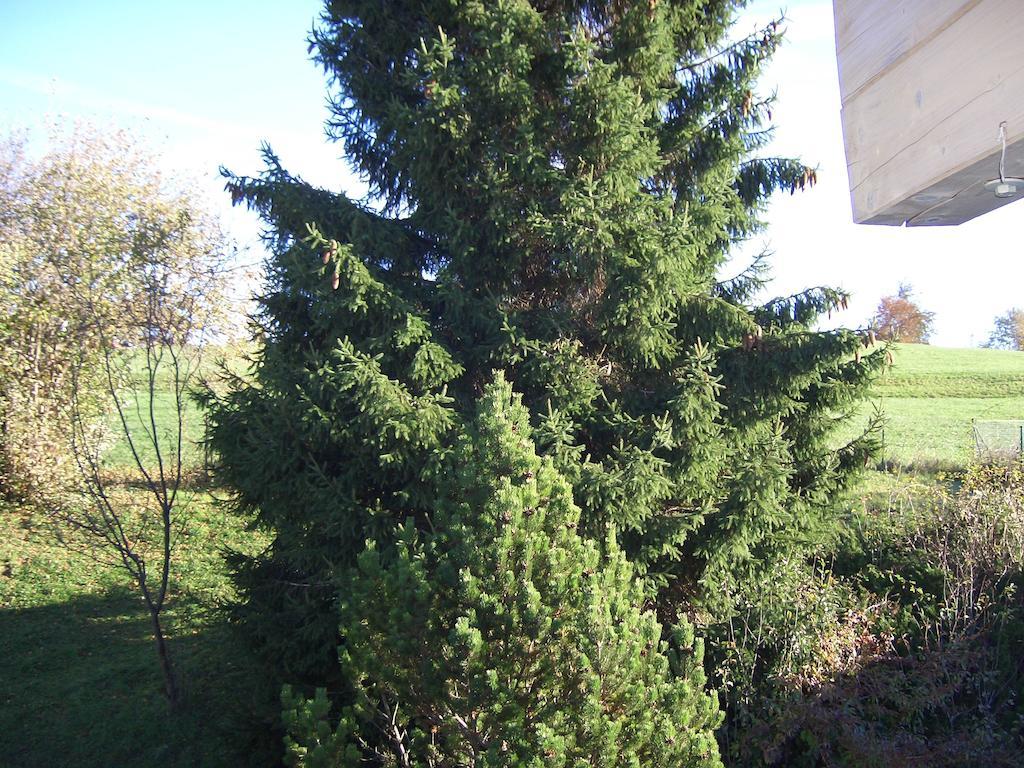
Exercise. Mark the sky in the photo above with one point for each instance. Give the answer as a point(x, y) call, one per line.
point(205, 83)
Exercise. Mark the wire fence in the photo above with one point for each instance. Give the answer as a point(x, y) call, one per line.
point(996, 441)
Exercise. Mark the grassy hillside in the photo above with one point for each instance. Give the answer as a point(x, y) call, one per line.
point(932, 395)
point(921, 370)
point(136, 408)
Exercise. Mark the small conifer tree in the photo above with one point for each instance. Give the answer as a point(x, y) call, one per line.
point(498, 636)
point(555, 186)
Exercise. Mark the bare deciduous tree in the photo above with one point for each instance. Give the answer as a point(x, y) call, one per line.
point(112, 284)
point(138, 522)
point(138, 529)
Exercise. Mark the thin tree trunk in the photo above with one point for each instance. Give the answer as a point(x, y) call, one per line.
point(170, 683)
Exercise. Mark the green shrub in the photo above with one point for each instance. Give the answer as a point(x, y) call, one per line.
point(914, 635)
point(500, 637)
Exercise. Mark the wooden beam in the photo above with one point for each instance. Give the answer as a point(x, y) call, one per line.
point(925, 85)
point(874, 35)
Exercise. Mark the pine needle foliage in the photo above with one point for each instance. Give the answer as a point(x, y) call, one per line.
point(554, 189)
point(500, 637)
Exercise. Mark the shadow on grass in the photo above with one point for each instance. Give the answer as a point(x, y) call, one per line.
point(921, 467)
point(194, 480)
point(80, 686)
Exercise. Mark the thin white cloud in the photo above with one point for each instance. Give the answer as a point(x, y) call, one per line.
point(63, 93)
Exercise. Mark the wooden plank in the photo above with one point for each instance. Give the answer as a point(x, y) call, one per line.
point(965, 140)
point(874, 35)
point(936, 112)
point(956, 198)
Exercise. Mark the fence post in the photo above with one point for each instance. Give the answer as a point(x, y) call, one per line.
point(206, 445)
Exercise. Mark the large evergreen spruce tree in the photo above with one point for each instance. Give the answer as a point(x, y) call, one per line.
point(554, 188)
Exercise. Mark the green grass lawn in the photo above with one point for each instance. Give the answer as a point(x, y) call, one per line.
point(932, 395)
point(165, 415)
point(136, 410)
point(79, 680)
point(921, 370)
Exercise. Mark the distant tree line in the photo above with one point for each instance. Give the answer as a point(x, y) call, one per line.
point(901, 318)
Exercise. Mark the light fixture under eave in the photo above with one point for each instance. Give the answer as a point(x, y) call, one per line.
point(1005, 186)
